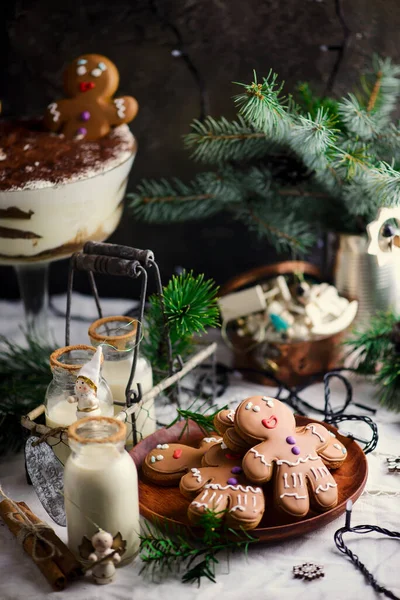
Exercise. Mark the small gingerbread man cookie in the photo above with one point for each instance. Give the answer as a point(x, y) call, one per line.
point(90, 110)
point(167, 463)
point(290, 456)
point(221, 486)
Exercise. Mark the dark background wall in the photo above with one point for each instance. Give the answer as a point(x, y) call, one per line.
point(326, 42)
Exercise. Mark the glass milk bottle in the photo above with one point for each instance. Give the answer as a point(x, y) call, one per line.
point(65, 365)
point(118, 338)
point(100, 484)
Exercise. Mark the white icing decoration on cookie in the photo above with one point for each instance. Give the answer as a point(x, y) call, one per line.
point(315, 432)
point(245, 499)
point(256, 408)
point(159, 457)
point(204, 496)
point(285, 483)
point(235, 488)
point(237, 507)
point(219, 499)
point(248, 405)
point(269, 401)
point(121, 108)
point(254, 500)
point(162, 446)
point(199, 504)
point(230, 416)
point(53, 111)
point(294, 495)
point(212, 439)
point(322, 471)
point(298, 461)
point(313, 471)
point(300, 476)
point(321, 488)
point(223, 446)
point(152, 459)
point(331, 434)
point(196, 473)
point(294, 479)
point(337, 446)
point(260, 456)
point(81, 70)
point(96, 72)
point(212, 496)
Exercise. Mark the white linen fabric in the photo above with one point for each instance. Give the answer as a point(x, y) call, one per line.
point(267, 571)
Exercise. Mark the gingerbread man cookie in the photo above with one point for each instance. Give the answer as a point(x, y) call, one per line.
point(220, 485)
point(90, 110)
point(167, 463)
point(333, 455)
point(290, 456)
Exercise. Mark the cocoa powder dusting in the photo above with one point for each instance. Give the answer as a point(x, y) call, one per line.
point(34, 158)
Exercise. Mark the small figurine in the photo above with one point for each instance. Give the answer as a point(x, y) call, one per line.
point(101, 545)
point(86, 386)
point(90, 110)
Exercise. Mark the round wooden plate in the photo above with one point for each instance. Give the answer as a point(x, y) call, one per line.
point(166, 503)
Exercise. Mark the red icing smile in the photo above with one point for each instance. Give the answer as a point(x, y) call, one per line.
point(177, 453)
point(270, 423)
point(85, 86)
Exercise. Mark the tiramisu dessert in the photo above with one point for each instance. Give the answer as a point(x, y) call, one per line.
point(63, 178)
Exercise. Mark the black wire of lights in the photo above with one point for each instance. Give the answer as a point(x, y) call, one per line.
point(362, 529)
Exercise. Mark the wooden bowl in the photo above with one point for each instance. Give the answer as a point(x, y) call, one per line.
point(297, 362)
point(167, 504)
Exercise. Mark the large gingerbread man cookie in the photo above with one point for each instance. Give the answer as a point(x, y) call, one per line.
point(220, 485)
point(90, 110)
point(289, 456)
point(167, 463)
point(333, 454)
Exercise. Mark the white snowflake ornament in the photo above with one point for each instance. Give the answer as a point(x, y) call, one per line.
point(384, 240)
point(308, 571)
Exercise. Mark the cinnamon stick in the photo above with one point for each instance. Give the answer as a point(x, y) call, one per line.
point(50, 567)
point(66, 561)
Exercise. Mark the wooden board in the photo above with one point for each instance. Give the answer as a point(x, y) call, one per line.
point(166, 503)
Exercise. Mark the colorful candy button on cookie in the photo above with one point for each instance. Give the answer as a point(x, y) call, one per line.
point(288, 456)
point(167, 463)
point(221, 486)
point(89, 111)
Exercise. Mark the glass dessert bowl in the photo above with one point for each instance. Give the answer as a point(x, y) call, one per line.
point(55, 195)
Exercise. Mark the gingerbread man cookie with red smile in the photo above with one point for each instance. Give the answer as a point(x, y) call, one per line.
point(90, 110)
point(292, 457)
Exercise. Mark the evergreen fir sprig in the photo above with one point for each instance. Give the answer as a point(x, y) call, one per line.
point(263, 106)
point(221, 140)
point(200, 415)
point(167, 548)
point(190, 307)
point(24, 376)
point(347, 150)
point(377, 352)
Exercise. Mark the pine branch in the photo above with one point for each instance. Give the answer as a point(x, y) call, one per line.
point(165, 201)
point(199, 414)
point(285, 233)
point(263, 107)
point(216, 141)
point(378, 354)
point(24, 377)
point(375, 92)
point(190, 307)
point(166, 548)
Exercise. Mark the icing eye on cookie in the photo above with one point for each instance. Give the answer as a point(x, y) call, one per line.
point(269, 402)
point(81, 70)
point(248, 405)
point(96, 72)
point(256, 408)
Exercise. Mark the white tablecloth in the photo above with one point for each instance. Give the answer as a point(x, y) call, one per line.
point(267, 572)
